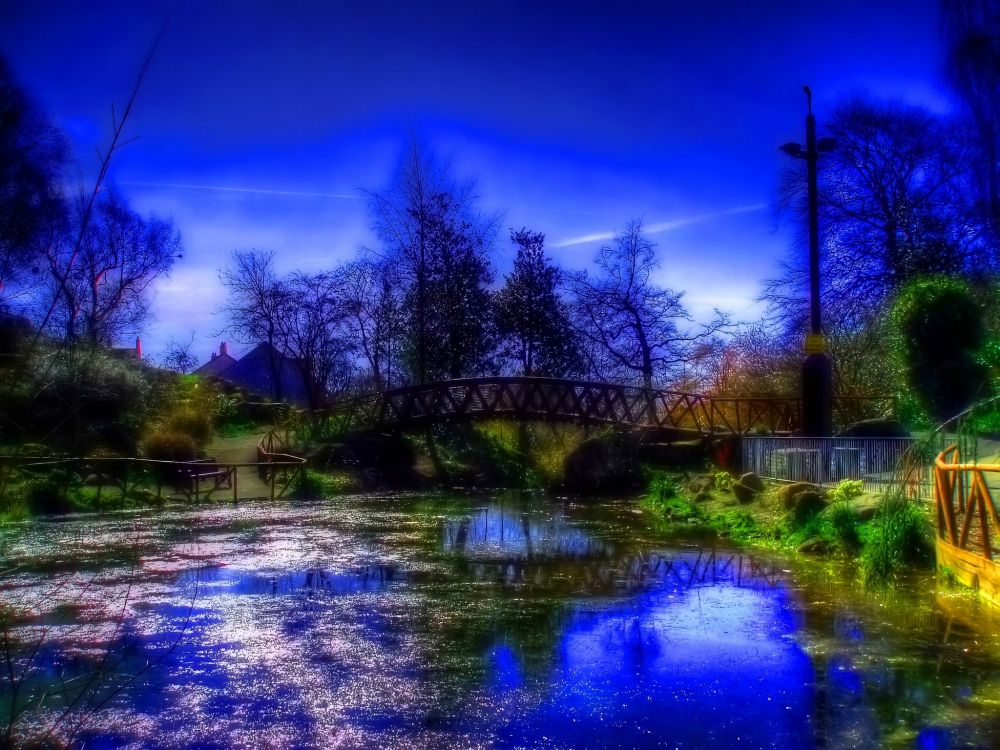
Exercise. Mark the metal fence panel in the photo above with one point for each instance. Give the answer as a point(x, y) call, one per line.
point(829, 460)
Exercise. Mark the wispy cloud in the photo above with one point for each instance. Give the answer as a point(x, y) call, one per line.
point(256, 191)
point(661, 226)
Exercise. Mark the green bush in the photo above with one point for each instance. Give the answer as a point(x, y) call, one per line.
point(196, 425)
point(170, 446)
point(45, 495)
point(847, 490)
point(724, 480)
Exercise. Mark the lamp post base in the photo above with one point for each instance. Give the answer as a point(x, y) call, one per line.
point(817, 396)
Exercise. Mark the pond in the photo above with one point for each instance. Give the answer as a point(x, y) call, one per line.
point(456, 621)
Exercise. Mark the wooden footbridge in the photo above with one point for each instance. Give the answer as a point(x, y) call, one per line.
point(580, 402)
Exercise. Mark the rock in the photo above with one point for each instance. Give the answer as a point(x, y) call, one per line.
point(699, 485)
point(807, 504)
point(814, 545)
point(744, 494)
point(92, 480)
point(703, 497)
point(789, 491)
point(871, 428)
point(865, 507)
point(752, 481)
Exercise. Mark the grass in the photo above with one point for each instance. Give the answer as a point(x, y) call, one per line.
point(314, 484)
point(898, 537)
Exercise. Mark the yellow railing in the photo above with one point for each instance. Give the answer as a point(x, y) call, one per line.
point(966, 514)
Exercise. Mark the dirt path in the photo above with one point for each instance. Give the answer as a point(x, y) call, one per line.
point(241, 450)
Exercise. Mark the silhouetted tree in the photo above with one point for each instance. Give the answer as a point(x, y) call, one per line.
point(312, 331)
point(636, 329)
point(891, 209)
point(373, 304)
point(439, 245)
point(32, 210)
point(104, 295)
point(256, 302)
point(178, 356)
point(532, 320)
point(972, 29)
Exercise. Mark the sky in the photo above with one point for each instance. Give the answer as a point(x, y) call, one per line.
point(262, 124)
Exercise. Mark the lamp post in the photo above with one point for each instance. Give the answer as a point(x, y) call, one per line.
point(817, 398)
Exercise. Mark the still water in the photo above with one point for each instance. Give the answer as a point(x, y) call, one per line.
point(470, 622)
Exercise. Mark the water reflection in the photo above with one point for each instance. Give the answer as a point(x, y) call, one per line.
point(452, 622)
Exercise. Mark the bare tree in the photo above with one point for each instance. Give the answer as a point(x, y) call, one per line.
point(892, 207)
point(312, 330)
point(178, 356)
point(257, 302)
point(105, 293)
point(972, 31)
point(635, 328)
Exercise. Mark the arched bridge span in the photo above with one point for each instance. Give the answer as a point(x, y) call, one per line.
point(580, 402)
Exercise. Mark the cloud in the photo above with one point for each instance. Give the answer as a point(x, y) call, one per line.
point(231, 189)
point(662, 226)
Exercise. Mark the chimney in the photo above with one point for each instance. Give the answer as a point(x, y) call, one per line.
point(214, 355)
point(138, 348)
point(223, 349)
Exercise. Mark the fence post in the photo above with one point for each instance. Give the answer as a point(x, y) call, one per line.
point(236, 474)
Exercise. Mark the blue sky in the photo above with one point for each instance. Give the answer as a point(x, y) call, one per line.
point(260, 122)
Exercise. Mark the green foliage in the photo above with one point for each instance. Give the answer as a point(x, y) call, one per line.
point(740, 526)
point(843, 526)
point(898, 536)
point(170, 446)
point(312, 484)
point(196, 425)
point(723, 480)
point(45, 495)
point(665, 499)
point(847, 490)
point(940, 332)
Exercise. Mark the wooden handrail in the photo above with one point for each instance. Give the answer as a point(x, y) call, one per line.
point(965, 517)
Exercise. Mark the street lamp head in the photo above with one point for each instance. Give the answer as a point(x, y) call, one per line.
point(792, 149)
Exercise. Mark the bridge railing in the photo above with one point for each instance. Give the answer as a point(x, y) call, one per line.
point(966, 514)
point(584, 402)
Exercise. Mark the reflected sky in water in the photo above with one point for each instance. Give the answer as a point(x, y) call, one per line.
point(458, 622)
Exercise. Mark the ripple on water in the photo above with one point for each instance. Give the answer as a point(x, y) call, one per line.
point(462, 622)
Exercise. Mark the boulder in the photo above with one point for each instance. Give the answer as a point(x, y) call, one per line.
point(743, 493)
point(865, 507)
point(807, 504)
point(789, 491)
point(701, 484)
point(703, 497)
point(752, 481)
point(875, 428)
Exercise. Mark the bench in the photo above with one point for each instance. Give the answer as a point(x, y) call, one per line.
point(191, 474)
